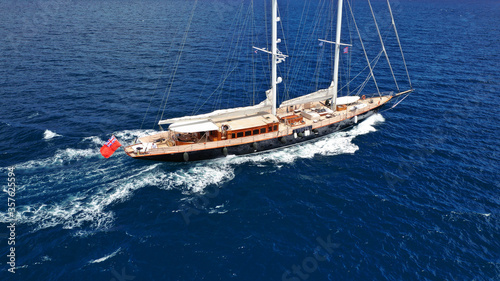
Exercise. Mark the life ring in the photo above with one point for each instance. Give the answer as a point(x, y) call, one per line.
point(363, 97)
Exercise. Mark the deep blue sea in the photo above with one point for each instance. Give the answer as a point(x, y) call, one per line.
point(412, 193)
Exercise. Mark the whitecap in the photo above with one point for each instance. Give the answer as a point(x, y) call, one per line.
point(94, 140)
point(33, 115)
point(48, 134)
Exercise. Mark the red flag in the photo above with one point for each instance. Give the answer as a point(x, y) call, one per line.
point(346, 50)
point(110, 146)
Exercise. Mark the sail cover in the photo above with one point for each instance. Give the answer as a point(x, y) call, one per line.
point(320, 95)
point(264, 106)
point(347, 100)
point(194, 126)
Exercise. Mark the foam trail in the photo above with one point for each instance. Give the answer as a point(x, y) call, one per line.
point(198, 177)
point(106, 257)
point(107, 184)
point(48, 134)
point(61, 156)
point(88, 206)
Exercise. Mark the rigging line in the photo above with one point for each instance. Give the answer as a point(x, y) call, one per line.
point(363, 85)
point(196, 109)
point(246, 25)
point(156, 86)
point(324, 6)
point(229, 67)
point(290, 70)
point(374, 62)
point(178, 59)
point(254, 73)
point(307, 47)
point(349, 57)
point(208, 79)
point(240, 27)
point(400, 48)
point(283, 32)
point(300, 27)
point(266, 20)
point(219, 52)
point(298, 44)
point(382, 42)
point(364, 50)
point(218, 87)
point(396, 104)
point(287, 51)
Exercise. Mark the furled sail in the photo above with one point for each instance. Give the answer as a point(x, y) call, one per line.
point(264, 106)
point(320, 95)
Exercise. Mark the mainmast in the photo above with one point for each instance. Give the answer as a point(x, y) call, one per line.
point(335, 81)
point(274, 50)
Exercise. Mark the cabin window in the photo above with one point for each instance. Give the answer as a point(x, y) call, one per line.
point(263, 130)
point(248, 133)
point(256, 132)
point(270, 129)
point(232, 135)
point(275, 127)
point(239, 135)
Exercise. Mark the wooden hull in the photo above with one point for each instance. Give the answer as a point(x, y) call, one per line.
point(260, 146)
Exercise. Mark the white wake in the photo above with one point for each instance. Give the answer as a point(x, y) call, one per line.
point(80, 187)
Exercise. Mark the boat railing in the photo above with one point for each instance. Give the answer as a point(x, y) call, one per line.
point(215, 144)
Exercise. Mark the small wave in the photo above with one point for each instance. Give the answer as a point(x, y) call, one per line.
point(33, 115)
point(48, 134)
point(220, 210)
point(94, 140)
point(59, 158)
point(106, 257)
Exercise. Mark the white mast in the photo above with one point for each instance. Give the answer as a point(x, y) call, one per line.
point(277, 56)
point(335, 82)
point(274, 50)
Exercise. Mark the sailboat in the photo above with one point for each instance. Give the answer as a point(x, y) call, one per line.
point(266, 126)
